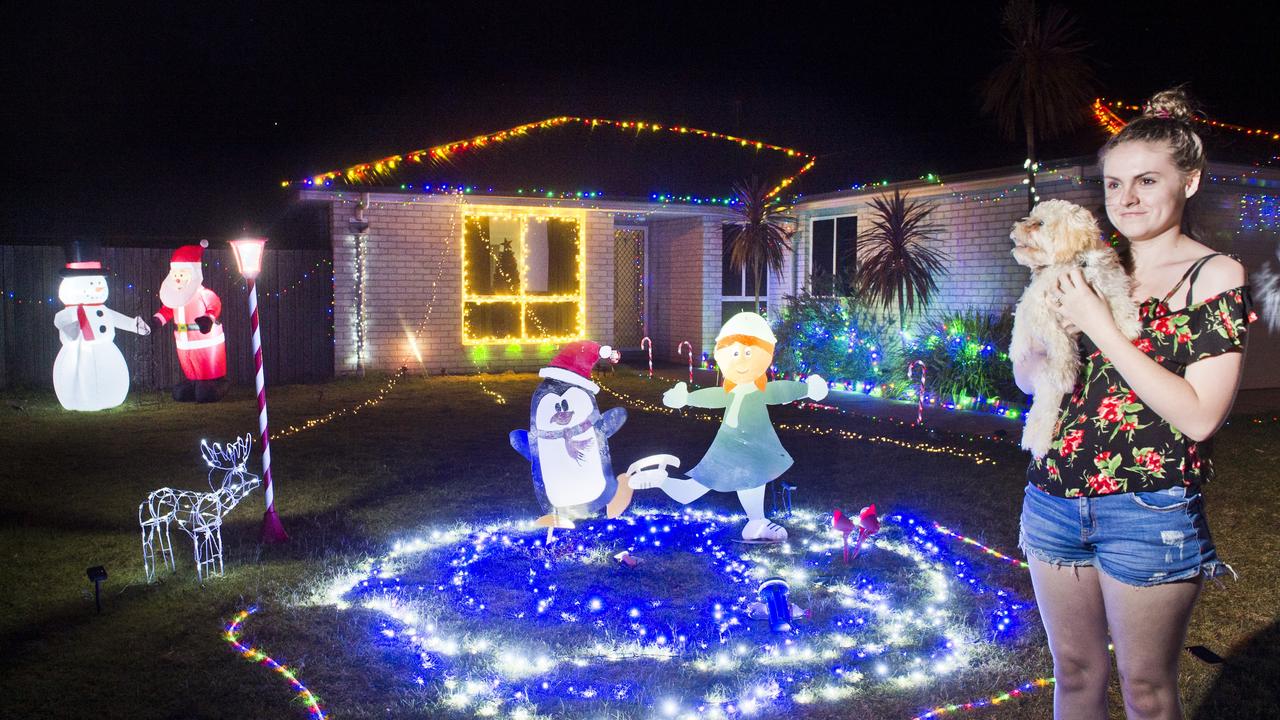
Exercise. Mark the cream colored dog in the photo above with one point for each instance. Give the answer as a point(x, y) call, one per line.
point(1057, 237)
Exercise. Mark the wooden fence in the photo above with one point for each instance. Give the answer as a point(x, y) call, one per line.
point(295, 308)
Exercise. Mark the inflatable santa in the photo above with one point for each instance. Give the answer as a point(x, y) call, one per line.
point(196, 313)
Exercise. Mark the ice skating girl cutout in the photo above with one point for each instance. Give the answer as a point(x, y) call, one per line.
point(746, 453)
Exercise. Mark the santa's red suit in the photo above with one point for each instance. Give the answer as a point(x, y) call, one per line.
point(203, 356)
point(188, 303)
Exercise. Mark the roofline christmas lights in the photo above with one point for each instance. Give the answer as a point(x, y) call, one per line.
point(369, 171)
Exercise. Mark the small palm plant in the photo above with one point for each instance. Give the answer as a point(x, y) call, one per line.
point(761, 233)
point(899, 265)
point(1045, 83)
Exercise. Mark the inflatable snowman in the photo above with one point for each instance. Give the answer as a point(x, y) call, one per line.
point(89, 372)
point(567, 442)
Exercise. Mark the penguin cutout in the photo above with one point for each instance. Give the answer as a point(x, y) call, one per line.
point(567, 443)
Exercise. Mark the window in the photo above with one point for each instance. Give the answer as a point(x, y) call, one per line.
point(835, 255)
point(739, 284)
point(522, 279)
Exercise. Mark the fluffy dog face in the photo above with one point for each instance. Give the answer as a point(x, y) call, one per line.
point(1055, 232)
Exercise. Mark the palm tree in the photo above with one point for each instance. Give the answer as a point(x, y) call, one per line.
point(762, 232)
point(898, 266)
point(1045, 84)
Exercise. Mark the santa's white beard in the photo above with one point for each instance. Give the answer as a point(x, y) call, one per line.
point(173, 297)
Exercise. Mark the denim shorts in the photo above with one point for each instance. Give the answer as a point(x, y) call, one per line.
point(1141, 539)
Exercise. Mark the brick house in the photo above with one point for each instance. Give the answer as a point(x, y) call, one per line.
point(415, 288)
point(430, 283)
point(1233, 212)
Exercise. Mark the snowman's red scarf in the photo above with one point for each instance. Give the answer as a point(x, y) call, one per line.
point(576, 448)
point(86, 330)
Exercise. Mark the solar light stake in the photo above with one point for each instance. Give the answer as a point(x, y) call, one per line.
point(97, 574)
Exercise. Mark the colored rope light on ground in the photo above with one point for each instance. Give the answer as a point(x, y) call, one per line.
point(231, 633)
point(980, 546)
point(349, 410)
point(978, 458)
point(1015, 693)
point(500, 623)
point(367, 172)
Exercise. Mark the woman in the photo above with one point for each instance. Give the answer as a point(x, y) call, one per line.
point(1112, 521)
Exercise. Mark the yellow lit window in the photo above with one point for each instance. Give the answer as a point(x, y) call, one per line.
point(522, 277)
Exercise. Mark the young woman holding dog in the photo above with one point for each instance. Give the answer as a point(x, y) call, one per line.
point(1112, 521)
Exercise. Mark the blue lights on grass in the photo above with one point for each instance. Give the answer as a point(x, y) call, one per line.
point(499, 622)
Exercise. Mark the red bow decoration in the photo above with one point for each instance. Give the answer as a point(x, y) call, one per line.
point(867, 524)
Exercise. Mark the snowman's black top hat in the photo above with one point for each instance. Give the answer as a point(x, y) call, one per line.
point(84, 257)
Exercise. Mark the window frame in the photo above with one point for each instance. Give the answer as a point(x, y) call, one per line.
point(835, 252)
point(523, 300)
point(742, 284)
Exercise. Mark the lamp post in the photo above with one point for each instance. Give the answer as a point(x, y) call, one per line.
point(248, 253)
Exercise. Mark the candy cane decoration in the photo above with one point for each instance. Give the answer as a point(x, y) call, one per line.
point(646, 343)
point(684, 344)
point(920, 391)
point(272, 530)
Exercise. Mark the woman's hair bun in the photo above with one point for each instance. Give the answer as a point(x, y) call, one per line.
point(1173, 103)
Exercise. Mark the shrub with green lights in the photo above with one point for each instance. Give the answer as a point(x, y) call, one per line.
point(966, 353)
point(836, 338)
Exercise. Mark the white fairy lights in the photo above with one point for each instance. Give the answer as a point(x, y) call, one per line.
point(503, 625)
point(198, 514)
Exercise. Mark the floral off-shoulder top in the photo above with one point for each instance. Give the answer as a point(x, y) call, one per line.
point(1106, 440)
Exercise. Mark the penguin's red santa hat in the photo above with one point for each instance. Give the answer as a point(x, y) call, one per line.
point(574, 362)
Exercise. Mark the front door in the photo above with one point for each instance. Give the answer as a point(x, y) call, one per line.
point(628, 287)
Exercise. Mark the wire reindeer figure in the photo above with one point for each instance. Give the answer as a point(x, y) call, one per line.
point(198, 514)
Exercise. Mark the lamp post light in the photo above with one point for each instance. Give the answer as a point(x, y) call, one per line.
point(248, 253)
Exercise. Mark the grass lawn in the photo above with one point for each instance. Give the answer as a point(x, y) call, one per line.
point(435, 451)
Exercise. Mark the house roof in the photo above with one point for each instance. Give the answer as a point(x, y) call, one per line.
point(580, 157)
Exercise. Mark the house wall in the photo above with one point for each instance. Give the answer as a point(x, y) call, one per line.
point(975, 217)
point(684, 284)
point(974, 222)
point(413, 286)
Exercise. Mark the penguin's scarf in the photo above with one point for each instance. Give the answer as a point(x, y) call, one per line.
point(576, 448)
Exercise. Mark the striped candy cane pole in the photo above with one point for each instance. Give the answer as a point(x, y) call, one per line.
point(686, 344)
point(645, 342)
point(272, 530)
point(919, 391)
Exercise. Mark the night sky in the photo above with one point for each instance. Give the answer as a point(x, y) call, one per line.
point(145, 126)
